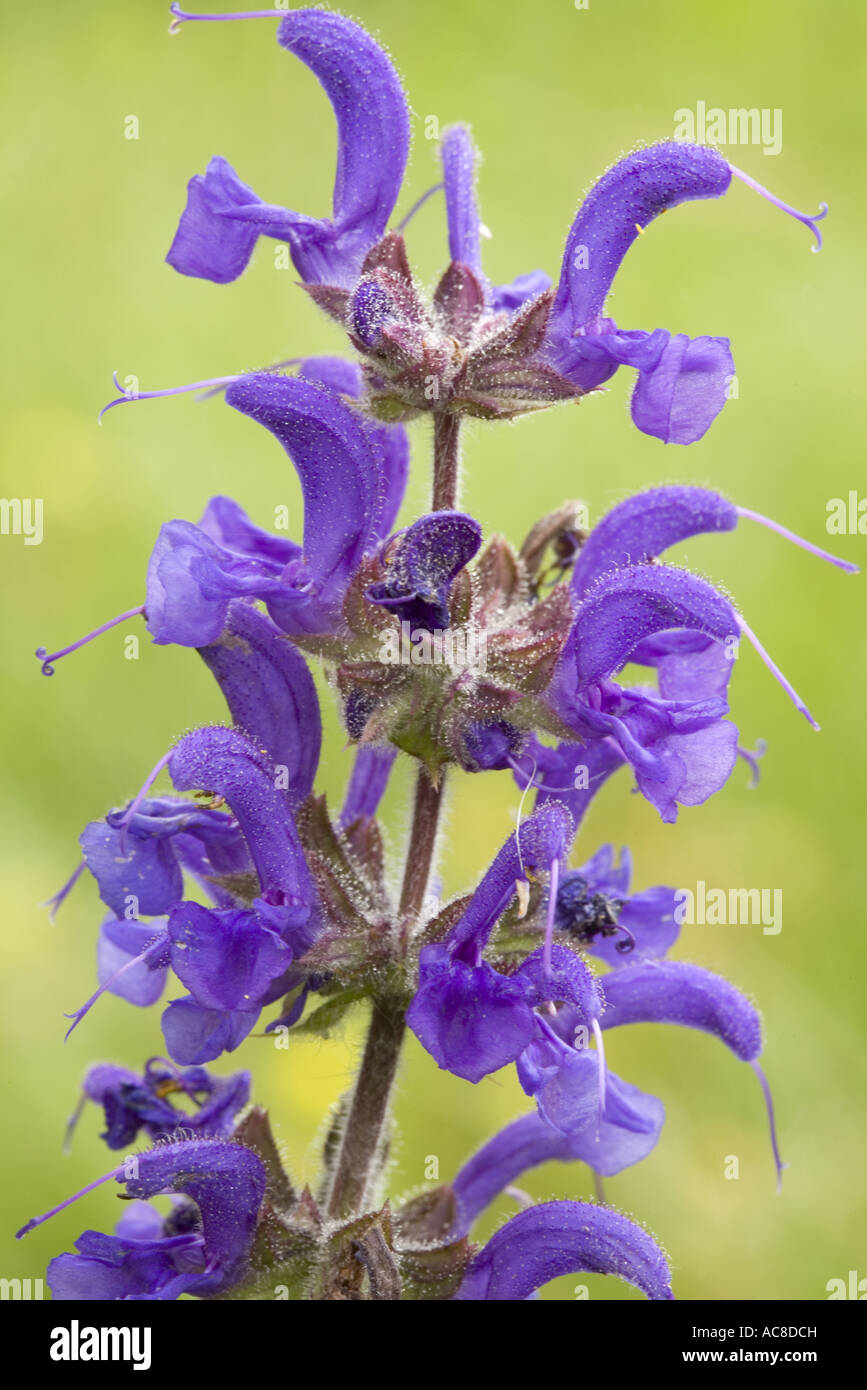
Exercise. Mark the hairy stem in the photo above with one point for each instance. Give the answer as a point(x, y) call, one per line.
point(422, 844)
point(362, 1138)
point(447, 430)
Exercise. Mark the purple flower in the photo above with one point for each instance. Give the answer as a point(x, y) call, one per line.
point(352, 478)
point(557, 1238)
point(131, 1102)
point(224, 218)
point(680, 746)
point(139, 860)
point(234, 960)
point(201, 1248)
point(470, 1017)
point(422, 563)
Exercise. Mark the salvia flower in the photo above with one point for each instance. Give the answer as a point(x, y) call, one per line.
point(244, 886)
point(200, 1249)
point(132, 1103)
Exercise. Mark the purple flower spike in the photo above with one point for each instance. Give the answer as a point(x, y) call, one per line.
point(682, 383)
point(424, 563)
point(224, 218)
point(557, 1238)
point(270, 693)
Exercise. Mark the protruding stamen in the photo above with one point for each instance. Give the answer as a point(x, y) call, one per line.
point(785, 207)
point(798, 540)
point(53, 904)
point(73, 1121)
point(180, 16)
point(769, 1103)
point(140, 796)
point(47, 660)
point(751, 758)
point(417, 205)
point(553, 885)
point(121, 970)
point(38, 1220)
point(600, 1054)
point(214, 382)
point(776, 672)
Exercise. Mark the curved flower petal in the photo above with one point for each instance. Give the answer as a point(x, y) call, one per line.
point(339, 473)
point(390, 442)
point(644, 526)
point(227, 1183)
point(556, 1238)
point(226, 762)
point(223, 217)
point(674, 992)
point(270, 693)
point(426, 560)
point(627, 606)
point(617, 209)
point(372, 129)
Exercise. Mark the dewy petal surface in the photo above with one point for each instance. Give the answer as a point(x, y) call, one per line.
point(557, 1238)
point(644, 526)
point(337, 466)
point(675, 992)
point(270, 693)
point(618, 208)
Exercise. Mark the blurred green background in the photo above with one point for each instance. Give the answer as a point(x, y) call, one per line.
point(554, 94)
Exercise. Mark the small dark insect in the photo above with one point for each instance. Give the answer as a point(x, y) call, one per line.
point(585, 915)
